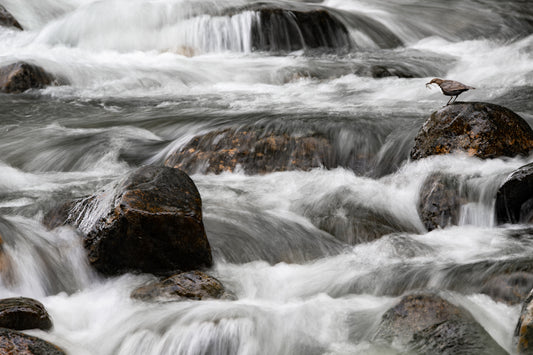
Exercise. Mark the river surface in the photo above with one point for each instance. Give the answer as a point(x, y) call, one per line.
point(146, 76)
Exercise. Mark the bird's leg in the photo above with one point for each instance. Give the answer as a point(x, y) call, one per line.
point(455, 99)
point(449, 101)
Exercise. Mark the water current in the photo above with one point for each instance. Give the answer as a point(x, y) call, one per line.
point(145, 76)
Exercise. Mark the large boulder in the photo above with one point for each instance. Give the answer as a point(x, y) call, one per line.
point(478, 129)
point(14, 342)
point(428, 324)
point(7, 20)
point(194, 285)
point(23, 313)
point(253, 151)
point(21, 76)
point(514, 199)
point(150, 222)
point(510, 288)
point(440, 202)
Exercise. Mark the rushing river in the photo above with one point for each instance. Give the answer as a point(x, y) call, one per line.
point(146, 76)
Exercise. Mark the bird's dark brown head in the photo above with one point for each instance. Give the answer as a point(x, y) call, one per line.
point(435, 81)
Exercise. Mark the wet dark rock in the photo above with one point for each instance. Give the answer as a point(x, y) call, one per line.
point(380, 71)
point(6, 265)
point(478, 129)
point(514, 199)
point(20, 76)
point(23, 313)
point(428, 324)
point(151, 222)
point(524, 329)
point(510, 288)
point(14, 342)
point(440, 201)
point(289, 29)
point(7, 20)
point(253, 151)
point(58, 214)
point(194, 285)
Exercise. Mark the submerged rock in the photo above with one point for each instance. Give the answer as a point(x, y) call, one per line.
point(478, 129)
point(440, 201)
point(7, 20)
point(510, 288)
point(194, 285)
point(514, 199)
point(151, 222)
point(20, 76)
point(23, 313)
point(428, 324)
point(13, 342)
point(252, 151)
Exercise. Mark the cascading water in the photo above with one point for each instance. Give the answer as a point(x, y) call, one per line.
point(313, 258)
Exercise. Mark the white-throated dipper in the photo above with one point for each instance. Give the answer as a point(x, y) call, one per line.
point(450, 88)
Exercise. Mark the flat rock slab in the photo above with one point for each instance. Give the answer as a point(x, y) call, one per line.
point(194, 285)
point(23, 313)
point(478, 129)
point(13, 342)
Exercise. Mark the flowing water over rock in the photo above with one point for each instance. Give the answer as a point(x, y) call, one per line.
point(313, 258)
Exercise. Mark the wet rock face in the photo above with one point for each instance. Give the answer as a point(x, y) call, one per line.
point(478, 129)
point(194, 285)
point(428, 324)
point(524, 329)
point(152, 224)
point(23, 313)
point(7, 20)
point(13, 342)
point(514, 199)
point(439, 203)
point(252, 151)
point(277, 29)
point(19, 77)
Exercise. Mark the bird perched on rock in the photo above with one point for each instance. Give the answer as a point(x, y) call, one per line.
point(450, 88)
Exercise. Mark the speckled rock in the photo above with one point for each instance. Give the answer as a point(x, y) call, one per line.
point(524, 328)
point(20, 76)
point(511, 288)
point(194, 285)
point(13, 342)
point(23, 313)
point(478, 129)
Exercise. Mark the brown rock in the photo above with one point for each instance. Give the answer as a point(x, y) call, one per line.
point(428, 324)
point(151, 222)
point(19, 77)
point(253, 151)
point(440, 201)
point(23, 313)
point(514, 199)
point(194, 285)
point(478, 129)
point(13, 342)
point(7, 20)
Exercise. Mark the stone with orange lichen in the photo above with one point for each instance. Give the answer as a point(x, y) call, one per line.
point(524, 328)
point(13, 342)
point(478, 129)
point(254, 151)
